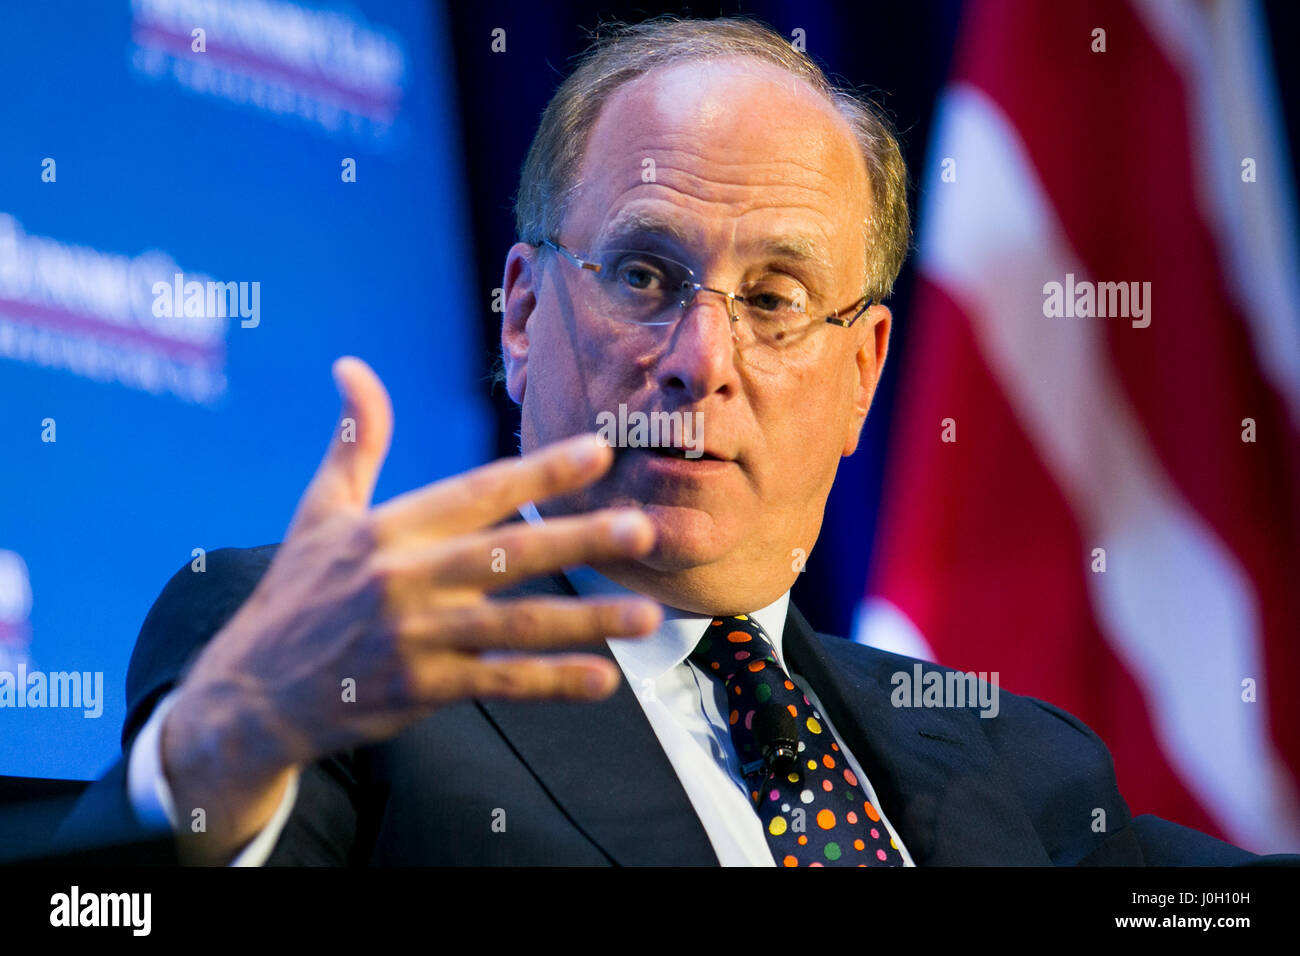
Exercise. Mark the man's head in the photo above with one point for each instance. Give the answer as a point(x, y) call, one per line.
point(715, 144)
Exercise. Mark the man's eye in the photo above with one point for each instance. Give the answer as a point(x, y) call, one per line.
point(768, 301)
point(642, 275)
point(776, 296)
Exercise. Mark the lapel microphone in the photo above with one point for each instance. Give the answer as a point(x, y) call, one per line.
point(777, 736)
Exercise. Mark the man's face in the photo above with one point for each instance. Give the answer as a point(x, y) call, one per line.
point(744, 158)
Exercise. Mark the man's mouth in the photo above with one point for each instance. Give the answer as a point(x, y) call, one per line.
point(688, 454)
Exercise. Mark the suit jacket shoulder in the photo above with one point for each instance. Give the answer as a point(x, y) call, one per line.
point(1026, 770)
point(192, 607)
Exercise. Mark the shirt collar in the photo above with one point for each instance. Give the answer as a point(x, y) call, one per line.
point(657, 653)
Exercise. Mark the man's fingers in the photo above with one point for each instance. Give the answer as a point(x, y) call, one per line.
point(501, 556)
point(487, 494)
point(554, 677)
point(346, 477)
point(530, 624)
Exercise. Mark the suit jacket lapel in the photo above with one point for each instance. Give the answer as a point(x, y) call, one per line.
point(603, 765)
point(932, 769)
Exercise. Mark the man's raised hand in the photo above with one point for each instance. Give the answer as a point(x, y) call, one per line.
point(395, 600)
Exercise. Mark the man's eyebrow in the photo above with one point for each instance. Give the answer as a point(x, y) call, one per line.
point(797, 247)
point(633, 225)
point(629, 225)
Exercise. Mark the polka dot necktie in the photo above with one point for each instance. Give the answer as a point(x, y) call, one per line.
point(814, 812)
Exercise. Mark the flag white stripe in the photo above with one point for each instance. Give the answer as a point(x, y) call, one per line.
point(1174, 604)
point(1221, 50)
point(882, 624)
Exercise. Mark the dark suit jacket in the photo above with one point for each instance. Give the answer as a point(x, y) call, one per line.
point(588, 783)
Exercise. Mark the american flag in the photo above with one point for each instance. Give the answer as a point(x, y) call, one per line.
point(1105, 509)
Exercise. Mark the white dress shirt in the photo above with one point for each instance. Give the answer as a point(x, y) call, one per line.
point(680, 702)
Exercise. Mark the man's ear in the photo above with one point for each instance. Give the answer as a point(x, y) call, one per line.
point(871, 363)
point(520, 287)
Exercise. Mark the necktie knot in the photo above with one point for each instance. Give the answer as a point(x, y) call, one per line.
point(732, 645)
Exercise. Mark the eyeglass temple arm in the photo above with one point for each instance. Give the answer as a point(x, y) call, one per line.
point(845, 323)
point(580, 263)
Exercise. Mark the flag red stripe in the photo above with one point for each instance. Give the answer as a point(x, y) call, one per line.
point(983, 553)
point(1110, 137)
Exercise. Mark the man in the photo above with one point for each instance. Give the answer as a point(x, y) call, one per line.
point(707, 229)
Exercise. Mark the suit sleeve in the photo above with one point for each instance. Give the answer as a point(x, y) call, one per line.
point(151, 797)
point(190, 610)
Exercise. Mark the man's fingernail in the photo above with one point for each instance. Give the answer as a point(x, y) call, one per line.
point(597, 683)
point(585, 452)
point(637, 617)
point(628, 528)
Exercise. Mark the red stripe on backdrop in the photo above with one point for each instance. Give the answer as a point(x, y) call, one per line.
point(1110, 135)
point(981, 551)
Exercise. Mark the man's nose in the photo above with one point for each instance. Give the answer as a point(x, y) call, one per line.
point(700, 357)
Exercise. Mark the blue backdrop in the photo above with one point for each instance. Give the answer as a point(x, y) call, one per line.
point(126, 156)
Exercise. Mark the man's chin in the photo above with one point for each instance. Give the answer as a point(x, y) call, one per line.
point(685, 538)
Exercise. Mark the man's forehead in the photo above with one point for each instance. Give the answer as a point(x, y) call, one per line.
point(721, 89)
point(729, 130)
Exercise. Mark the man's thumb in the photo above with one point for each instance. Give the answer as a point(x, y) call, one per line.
point(346, 478)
